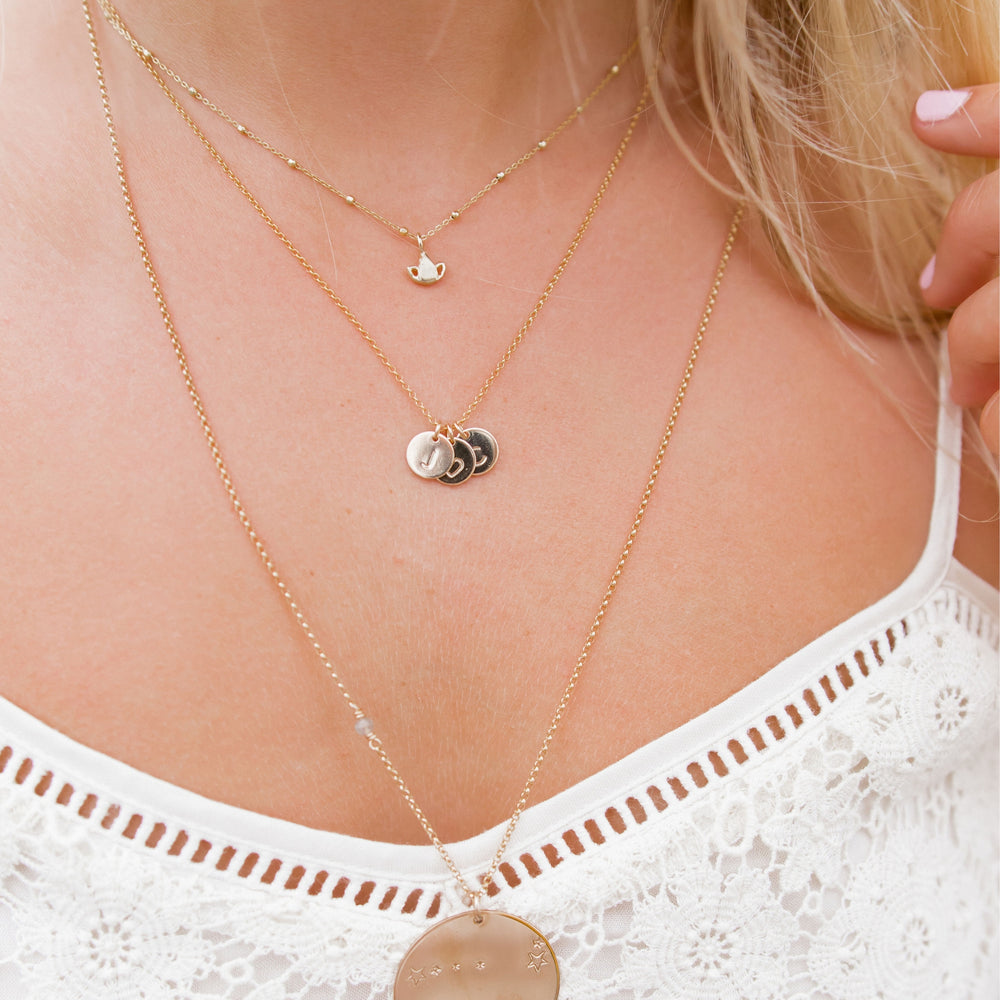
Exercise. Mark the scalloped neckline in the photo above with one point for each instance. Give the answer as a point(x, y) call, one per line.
point(119, 782)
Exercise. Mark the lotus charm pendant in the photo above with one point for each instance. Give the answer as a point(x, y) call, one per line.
point(425, 271)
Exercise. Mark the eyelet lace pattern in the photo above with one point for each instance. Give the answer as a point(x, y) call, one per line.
point(840, 845)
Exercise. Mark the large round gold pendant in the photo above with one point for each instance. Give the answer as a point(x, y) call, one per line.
point(479, 956)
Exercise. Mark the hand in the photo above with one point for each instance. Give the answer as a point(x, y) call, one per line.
point(963, 273)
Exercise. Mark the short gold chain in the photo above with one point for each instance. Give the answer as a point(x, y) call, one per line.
point(474, 894)
point(352, 317)
point(115, 19)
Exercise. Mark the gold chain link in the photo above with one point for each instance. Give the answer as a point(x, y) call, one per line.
point(474, 895)
point(115, 19)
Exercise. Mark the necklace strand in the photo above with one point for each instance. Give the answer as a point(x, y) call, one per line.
point(363, 723)
point(449, 427)
point(115, 19)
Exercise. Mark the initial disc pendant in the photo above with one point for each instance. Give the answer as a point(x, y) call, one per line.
point(485, 446)
point(436, 455)
point(464, 464)
point(430, 455)
point(479, 956)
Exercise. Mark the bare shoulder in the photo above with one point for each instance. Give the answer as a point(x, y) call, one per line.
point(977, 544)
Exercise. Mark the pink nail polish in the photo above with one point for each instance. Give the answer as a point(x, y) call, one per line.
point(937, 105)
point(927, 274)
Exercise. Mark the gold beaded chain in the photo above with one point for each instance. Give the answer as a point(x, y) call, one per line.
point(114, 18)
point(450, 428)
point(363, 723)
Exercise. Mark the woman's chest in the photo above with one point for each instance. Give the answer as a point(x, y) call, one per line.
point(141, 620)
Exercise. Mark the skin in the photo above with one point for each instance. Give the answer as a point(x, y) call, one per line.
point(135, 615)
point(965, 271)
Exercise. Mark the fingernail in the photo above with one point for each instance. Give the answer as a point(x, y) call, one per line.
point(937, 105)
point(927, 274)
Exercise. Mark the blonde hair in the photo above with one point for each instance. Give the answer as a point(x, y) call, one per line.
point(809, 102)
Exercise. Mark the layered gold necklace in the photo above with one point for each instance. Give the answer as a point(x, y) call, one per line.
point(425, 272)
point(480, 953)
point(451, 452)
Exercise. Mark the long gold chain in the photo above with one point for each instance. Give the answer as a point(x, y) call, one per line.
point(114, 18)
point(448, 427)
point(363, 723)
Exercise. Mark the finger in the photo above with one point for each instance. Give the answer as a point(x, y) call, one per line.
point(966, 257)
point(960, 121)
point(974, 347)
point(989, 424)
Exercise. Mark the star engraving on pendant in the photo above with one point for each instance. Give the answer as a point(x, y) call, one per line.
point(435, 971)
point(456, 966)
point(536, 957)
point(480, 966)
point(416, 976)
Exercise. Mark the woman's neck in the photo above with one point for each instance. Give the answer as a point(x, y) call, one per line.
point(460, 79)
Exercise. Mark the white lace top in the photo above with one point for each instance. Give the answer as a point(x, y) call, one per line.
point(827, 832)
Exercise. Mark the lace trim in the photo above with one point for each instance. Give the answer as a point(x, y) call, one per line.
point(684, 785)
